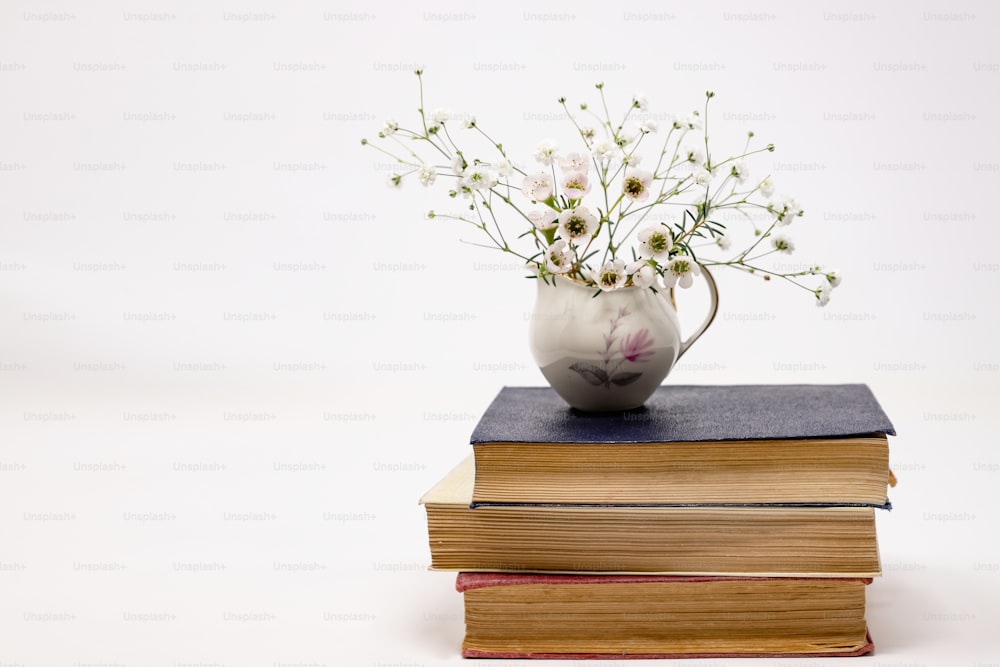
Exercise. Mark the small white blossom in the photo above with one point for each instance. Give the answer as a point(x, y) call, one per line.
point(701, 176)
point(426, 175)
point(739, 171)
point(538, 186)
point(833, 277)
point(695, 155)
point(575, 185)
point(642, 273)
point(504, 167)
point(693, 121)
point(458, 164)
point(647, 126)
point(545, 152)
point(440, 116)
point(656, 240)
point(823, 293)
point(623, 139)
point(631, 159)
point(639, 102)
point(786, 209)
point(604, 150)
point(681, 270)
point(470, 122)
point(636, 184)
point(588, 133)
point(394, 181)
point(579, 222)
point(559, 257)
point(767, 187)
point(390, 128)
point(575, 162)
point(724, 242)
point(543, 218)
point(782, 243)
point(612, 275)
point(479, 177)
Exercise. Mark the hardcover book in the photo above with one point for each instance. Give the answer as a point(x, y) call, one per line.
point(808, 445)
point(778, 541)
point(573, 616)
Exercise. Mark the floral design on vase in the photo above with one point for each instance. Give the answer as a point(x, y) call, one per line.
point(633, 348)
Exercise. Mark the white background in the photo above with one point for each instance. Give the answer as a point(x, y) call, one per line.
point(231, 360)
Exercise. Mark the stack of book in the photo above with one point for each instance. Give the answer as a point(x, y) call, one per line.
point(714, 521)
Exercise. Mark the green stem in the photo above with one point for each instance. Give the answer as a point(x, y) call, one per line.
point(755, 269)
point(756, 243)
point(392, 155)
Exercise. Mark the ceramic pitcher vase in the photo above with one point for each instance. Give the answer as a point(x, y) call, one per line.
point(610, 351)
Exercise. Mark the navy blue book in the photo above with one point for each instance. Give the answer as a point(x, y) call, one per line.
point(791, 445)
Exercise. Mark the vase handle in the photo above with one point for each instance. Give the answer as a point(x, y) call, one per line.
point(712, 310)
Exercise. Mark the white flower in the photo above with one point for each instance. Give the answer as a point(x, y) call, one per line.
point(639, 102)
point(575, 185)
point(545, 152)
point(642, 273)
point(577, 222)
point(604, 150)
point(575, 162)
point(537, 187)
point(588, 133)
point(767, 187)
point(623, 139)
point(458, 164)
point(559, 257)
point(656, 240)
point(792, 207)
point(739, 171)
point(426, 175)
point(724, 242)
point(470, 122)
point(504, 167)
point(833, 277)
point(647, 126)
point(636, 184)
point(823, 293)
point(631, 159)
point(390, 128)
point(786, 209)
point(611, 275)
point(439, 116)
point(479, 177)
point(782, 243)
point(695, 155)
point(701, 176)
point(394, 181)
point(681, 270)
point(693, 121)
point(543, 218)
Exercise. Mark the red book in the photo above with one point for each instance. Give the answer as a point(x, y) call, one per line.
point(651, 616)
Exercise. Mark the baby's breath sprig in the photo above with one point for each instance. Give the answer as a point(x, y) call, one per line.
point(596, 200)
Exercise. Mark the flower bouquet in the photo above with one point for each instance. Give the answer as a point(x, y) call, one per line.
point(629, 212)
point(622, 208)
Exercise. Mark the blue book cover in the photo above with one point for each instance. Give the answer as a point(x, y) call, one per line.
point(795, 445)
point(689, 413)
